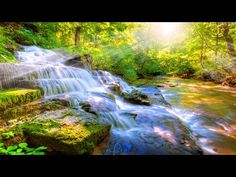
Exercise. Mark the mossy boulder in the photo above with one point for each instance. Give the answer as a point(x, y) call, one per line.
point(136, 97)
point(63, 138)
point(31, 109)
point(51, 123)
point(12, 98)
point(61, 129)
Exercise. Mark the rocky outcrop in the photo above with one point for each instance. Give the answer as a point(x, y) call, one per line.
point(166, 85)
point(12, 98)
point(230, 81)
point(136, 97)
point(75, 61)
point(63, 138)
point(115, 86)
point(84, 61)
point(86, 106)
point(216, 77)
point(14, 76)
point(51, 123)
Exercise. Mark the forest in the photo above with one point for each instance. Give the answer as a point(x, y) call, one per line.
point(117, 88)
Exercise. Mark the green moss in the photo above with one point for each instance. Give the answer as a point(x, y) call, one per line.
point(6, 43)
point(30, 109)
point(11, 98)
point(68, 113)
point(112, 96)
point(40, 126)
point(147, 81)
point(11, 136)
point(69, 139)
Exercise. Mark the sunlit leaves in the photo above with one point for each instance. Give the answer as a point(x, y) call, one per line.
point(21, 149)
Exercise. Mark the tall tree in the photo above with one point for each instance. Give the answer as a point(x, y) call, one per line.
point(229, 42)
point(77, 35)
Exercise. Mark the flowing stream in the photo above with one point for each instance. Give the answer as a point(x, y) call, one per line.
point(209, 110)
point(201, 117)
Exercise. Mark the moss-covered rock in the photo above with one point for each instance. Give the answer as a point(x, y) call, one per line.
point(11, 136)
point(12, 98)
point(32, 108)
point(52, 123)
point(136, 97)
point(63, 138)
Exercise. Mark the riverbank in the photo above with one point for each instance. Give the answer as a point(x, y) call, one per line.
point(167, 81)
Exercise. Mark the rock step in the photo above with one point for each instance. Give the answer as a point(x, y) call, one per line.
point(16, 97)
point(63, 138)
point(32, 108)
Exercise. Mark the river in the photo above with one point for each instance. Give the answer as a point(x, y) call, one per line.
point(209, 110)
point(194, 117)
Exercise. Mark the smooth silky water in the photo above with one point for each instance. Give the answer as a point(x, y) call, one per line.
point(208, 109)
point(198, 116)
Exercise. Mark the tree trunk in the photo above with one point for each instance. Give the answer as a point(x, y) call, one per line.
point(202, 54)
point(229, 42)
point(77, 36)
point(217, 43)
point(217, 38)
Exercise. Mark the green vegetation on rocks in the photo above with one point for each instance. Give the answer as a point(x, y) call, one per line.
point(68, 139)
point(136, 97)
point(11, 98)
point(50, 123)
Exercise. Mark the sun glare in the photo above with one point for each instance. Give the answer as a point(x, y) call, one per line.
point(166, 31)
point(168, 28)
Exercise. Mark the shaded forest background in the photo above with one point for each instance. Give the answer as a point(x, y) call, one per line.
point(134, 50)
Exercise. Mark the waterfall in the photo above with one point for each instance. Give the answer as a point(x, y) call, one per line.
point(134, 126)
point(76, 84)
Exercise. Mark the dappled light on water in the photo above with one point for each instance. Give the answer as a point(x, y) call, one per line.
point(165, 134)
point(226, 130)
point(209, 110)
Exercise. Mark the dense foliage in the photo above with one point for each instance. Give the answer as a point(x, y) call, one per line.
point(134, 50)
point(21, 149)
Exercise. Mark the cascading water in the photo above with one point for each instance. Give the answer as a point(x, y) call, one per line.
point(136, 129)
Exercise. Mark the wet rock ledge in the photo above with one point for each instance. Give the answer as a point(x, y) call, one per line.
point(50, 123)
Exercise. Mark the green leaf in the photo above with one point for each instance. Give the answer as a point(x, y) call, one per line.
point(29, 149)
point(12, 153)
point(38, 153)
point(29, 153)
point(8, 135)
point(1, 144)
point(40, 148)
point(19, 150)
point(23, 145)
point(11, 148)
point(20, 153)
point(3, 151)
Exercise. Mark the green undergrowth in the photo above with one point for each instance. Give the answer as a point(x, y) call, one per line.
point(5, 52)
point(21, 149)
